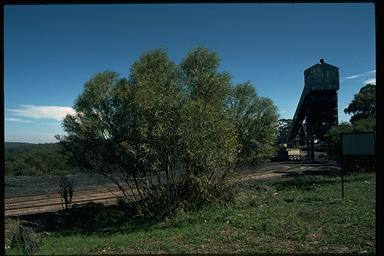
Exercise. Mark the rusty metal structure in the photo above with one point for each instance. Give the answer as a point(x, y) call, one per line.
point(317, 108)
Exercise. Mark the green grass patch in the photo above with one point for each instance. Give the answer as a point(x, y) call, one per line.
point(303, 215)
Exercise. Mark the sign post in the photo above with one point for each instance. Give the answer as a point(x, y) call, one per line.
point(355, 145)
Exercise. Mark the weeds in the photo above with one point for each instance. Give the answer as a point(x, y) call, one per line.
point(66, 191)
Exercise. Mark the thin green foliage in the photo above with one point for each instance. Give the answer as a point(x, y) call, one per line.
point(166, 128)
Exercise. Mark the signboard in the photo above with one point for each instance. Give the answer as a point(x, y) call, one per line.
point(358, 143)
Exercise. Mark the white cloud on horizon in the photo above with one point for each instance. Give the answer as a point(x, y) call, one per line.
point(370, 81)
point(49, 112)
point(360, 75)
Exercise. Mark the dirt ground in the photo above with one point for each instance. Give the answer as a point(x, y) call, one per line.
point(31, 195)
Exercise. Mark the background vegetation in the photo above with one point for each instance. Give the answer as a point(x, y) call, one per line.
point(36, 159)
point(363, 119)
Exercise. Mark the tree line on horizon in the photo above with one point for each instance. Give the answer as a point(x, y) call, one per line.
point(28, 159)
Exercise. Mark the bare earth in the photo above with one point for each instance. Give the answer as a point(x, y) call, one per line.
point(31, 195)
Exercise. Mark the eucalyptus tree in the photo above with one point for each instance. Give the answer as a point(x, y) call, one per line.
point(363, 119)
point(363, 105)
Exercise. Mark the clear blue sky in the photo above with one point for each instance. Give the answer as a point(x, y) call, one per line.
point(50, 50)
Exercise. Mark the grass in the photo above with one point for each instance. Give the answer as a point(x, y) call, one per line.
point(302, 215)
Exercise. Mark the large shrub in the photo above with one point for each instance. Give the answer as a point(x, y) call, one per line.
point(166, 135)
point(256, 121)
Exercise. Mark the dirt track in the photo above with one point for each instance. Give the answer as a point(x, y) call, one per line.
point(36, 194)
point(24, 205)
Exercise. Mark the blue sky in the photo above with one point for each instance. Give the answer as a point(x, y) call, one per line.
point(51, 50)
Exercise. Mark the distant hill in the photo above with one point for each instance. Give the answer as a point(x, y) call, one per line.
point(17, 148)
point(35, 159)
point(17, 144)
point(24, 144)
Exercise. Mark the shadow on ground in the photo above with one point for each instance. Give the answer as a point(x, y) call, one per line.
point(89, 218)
